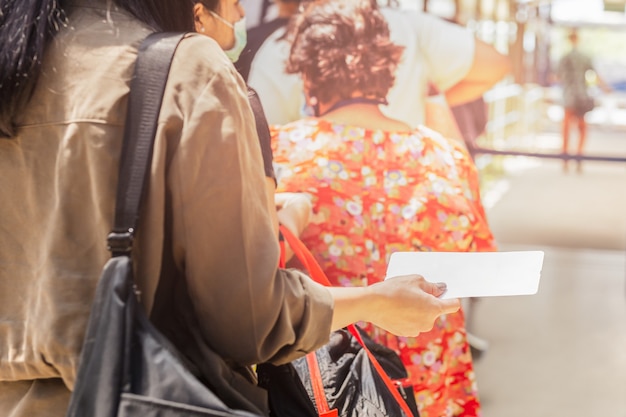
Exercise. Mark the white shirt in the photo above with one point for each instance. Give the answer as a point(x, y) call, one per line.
point(435, 52)
point(253, 10)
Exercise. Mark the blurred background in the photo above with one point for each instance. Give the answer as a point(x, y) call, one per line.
point(561, 352)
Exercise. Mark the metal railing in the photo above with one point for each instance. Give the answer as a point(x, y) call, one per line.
point(517, 111)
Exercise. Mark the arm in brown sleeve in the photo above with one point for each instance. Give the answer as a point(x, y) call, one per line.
point(248, 310)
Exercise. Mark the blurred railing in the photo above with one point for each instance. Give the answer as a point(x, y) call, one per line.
point(516, 114)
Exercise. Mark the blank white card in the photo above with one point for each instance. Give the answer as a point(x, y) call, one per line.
point(473, 274)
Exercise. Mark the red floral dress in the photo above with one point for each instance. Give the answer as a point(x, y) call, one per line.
point(375, 193)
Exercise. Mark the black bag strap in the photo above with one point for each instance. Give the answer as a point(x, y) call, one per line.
point(263, 132)
point(144, 104)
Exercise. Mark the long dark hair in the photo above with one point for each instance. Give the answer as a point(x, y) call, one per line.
point(26, 26)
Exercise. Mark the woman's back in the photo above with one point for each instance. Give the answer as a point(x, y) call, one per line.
point(390, 188)
point(62, 171)
point(206, 184)
point(375, 192)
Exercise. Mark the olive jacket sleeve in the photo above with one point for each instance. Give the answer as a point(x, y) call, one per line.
point(207, 184)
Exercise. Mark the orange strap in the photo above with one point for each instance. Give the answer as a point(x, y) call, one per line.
point(305, 256)
point(323, 410)
point(318, 275)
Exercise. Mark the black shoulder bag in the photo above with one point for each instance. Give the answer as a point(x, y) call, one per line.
point(350, 376)
point(127, 367)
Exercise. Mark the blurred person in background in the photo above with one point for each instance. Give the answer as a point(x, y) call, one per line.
point(257, 35)
point(574, 72)
point(437, 53)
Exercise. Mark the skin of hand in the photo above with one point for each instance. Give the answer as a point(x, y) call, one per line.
point(405, 306)
point(293, 212)
point(606, 87)
point(488, 67)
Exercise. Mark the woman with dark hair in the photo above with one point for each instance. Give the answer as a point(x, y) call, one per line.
point(224, 21)
point(206, 256)
point(379, 186)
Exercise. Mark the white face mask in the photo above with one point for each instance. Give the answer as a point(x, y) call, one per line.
point(241, 36)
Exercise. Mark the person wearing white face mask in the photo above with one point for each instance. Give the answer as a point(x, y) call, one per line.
point(224, 21)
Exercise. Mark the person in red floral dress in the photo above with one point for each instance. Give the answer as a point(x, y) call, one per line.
point(378, 186)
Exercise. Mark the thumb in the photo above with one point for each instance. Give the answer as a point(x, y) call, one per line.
point(451, 305)
point(436, 289)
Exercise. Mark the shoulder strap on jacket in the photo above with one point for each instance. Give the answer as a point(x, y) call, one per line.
point(144, 104)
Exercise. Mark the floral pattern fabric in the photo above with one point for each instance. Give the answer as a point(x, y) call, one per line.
point(375, 193)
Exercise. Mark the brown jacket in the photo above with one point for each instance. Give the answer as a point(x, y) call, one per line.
point(206, 184)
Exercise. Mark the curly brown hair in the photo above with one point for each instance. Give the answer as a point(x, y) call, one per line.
point(343, 46)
